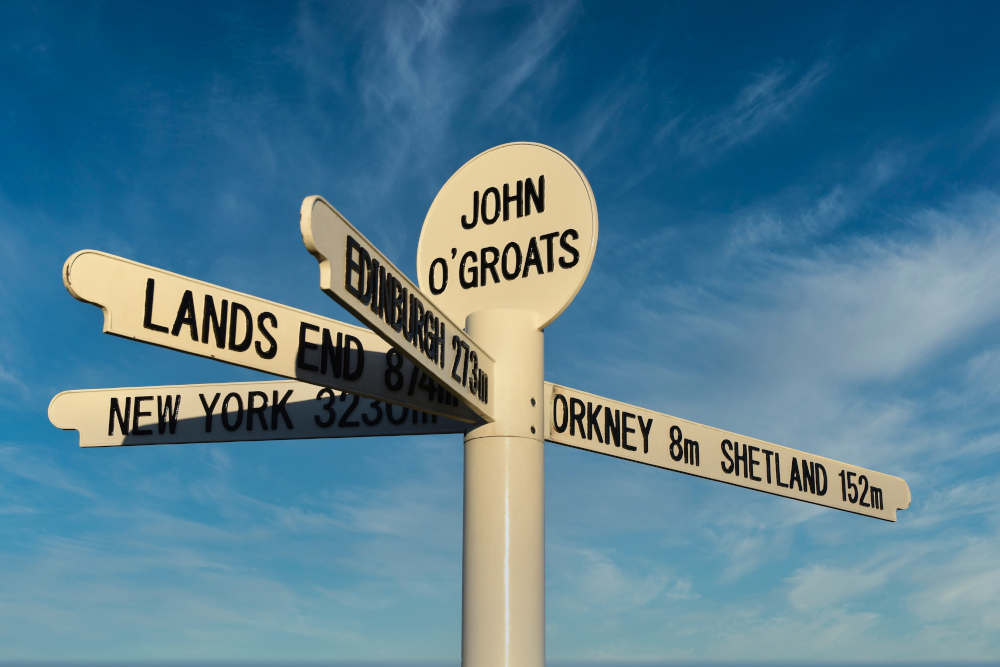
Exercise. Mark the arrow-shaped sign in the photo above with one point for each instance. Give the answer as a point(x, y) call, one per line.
point(166, 309)
point(586, 421)
point(231, 412)
point(360, 278)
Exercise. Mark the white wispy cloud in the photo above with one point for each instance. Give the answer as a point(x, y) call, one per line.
point(772, 225)
point(522, 57)
point(823, 585)
point(764, 102)
point(609, 582)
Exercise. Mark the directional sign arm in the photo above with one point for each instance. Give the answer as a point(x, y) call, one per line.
point(357, 276)
point(586, 421)
point(169, 310)
point(231, 412)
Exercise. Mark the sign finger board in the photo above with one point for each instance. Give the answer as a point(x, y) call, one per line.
point(515, 227)
point(597, 424)
point(360, 278)
point(169, 310)
point(231, 412)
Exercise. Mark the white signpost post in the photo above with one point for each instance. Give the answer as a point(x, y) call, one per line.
point(505, 247)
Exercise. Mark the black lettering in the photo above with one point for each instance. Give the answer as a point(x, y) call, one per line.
point(374, 283)
point(753, 462)
point(532, 258)
point(777, 471)
point(139, 413)
point(536, 196)
point(475, 212)
point(550, 260)
point(439, 350)
point(692, 453)
point(147, 314)
point(516, 271)
point(576, 413)
point(727, 445)
point(625, 429)
point(259, 411)
point(395, 297)
point(209, 409)
point(740, 457)
point(796, 478)
point(361, 267)
point(821, 481)
point(278, 407)
point(393, 363)
point(404, 319)
point(676, 448)
point(496, 211)
point(374, 421)
point(386, 295)
point(556, 426)
point(345, 422)
point(123, 420)
point(186, 315)
point(243, 345)
point(417, 323)
point(331, 398)
point(392, 419)
point(644, 428)
point(444, 275)
point(468, 276)
point(359, 368)
point(430, 336)
point(330, 353)
point(613, 428)
point(300, 361)
point(507, 199)
point(217, 322)
point(808, 477)
point(574, 254)
point(273, 349)
point(488, 264)
point(167, 411)
point(767, 460)
point(592, 424)
point(225, 412)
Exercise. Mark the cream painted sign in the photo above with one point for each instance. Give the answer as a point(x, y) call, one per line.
point(515, 227)
point(166, 309)
point(597, 424)
point(233, 412)
point(360, 278)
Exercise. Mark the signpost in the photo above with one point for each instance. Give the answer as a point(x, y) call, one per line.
point(233, 412)
point(505, 247)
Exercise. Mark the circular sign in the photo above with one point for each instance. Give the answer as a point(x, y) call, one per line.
point(515, 227)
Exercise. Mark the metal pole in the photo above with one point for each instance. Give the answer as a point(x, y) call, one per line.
point(503, 568)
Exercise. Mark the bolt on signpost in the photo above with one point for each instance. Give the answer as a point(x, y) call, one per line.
point(505, 247)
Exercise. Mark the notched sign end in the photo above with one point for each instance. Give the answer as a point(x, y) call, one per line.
point(312, 236)
point(903, 495)
point(59, 408)
point(78, 279)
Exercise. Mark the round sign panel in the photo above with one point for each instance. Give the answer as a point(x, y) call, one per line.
point(515, 227)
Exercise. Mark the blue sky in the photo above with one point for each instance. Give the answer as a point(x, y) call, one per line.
point(799, 241)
